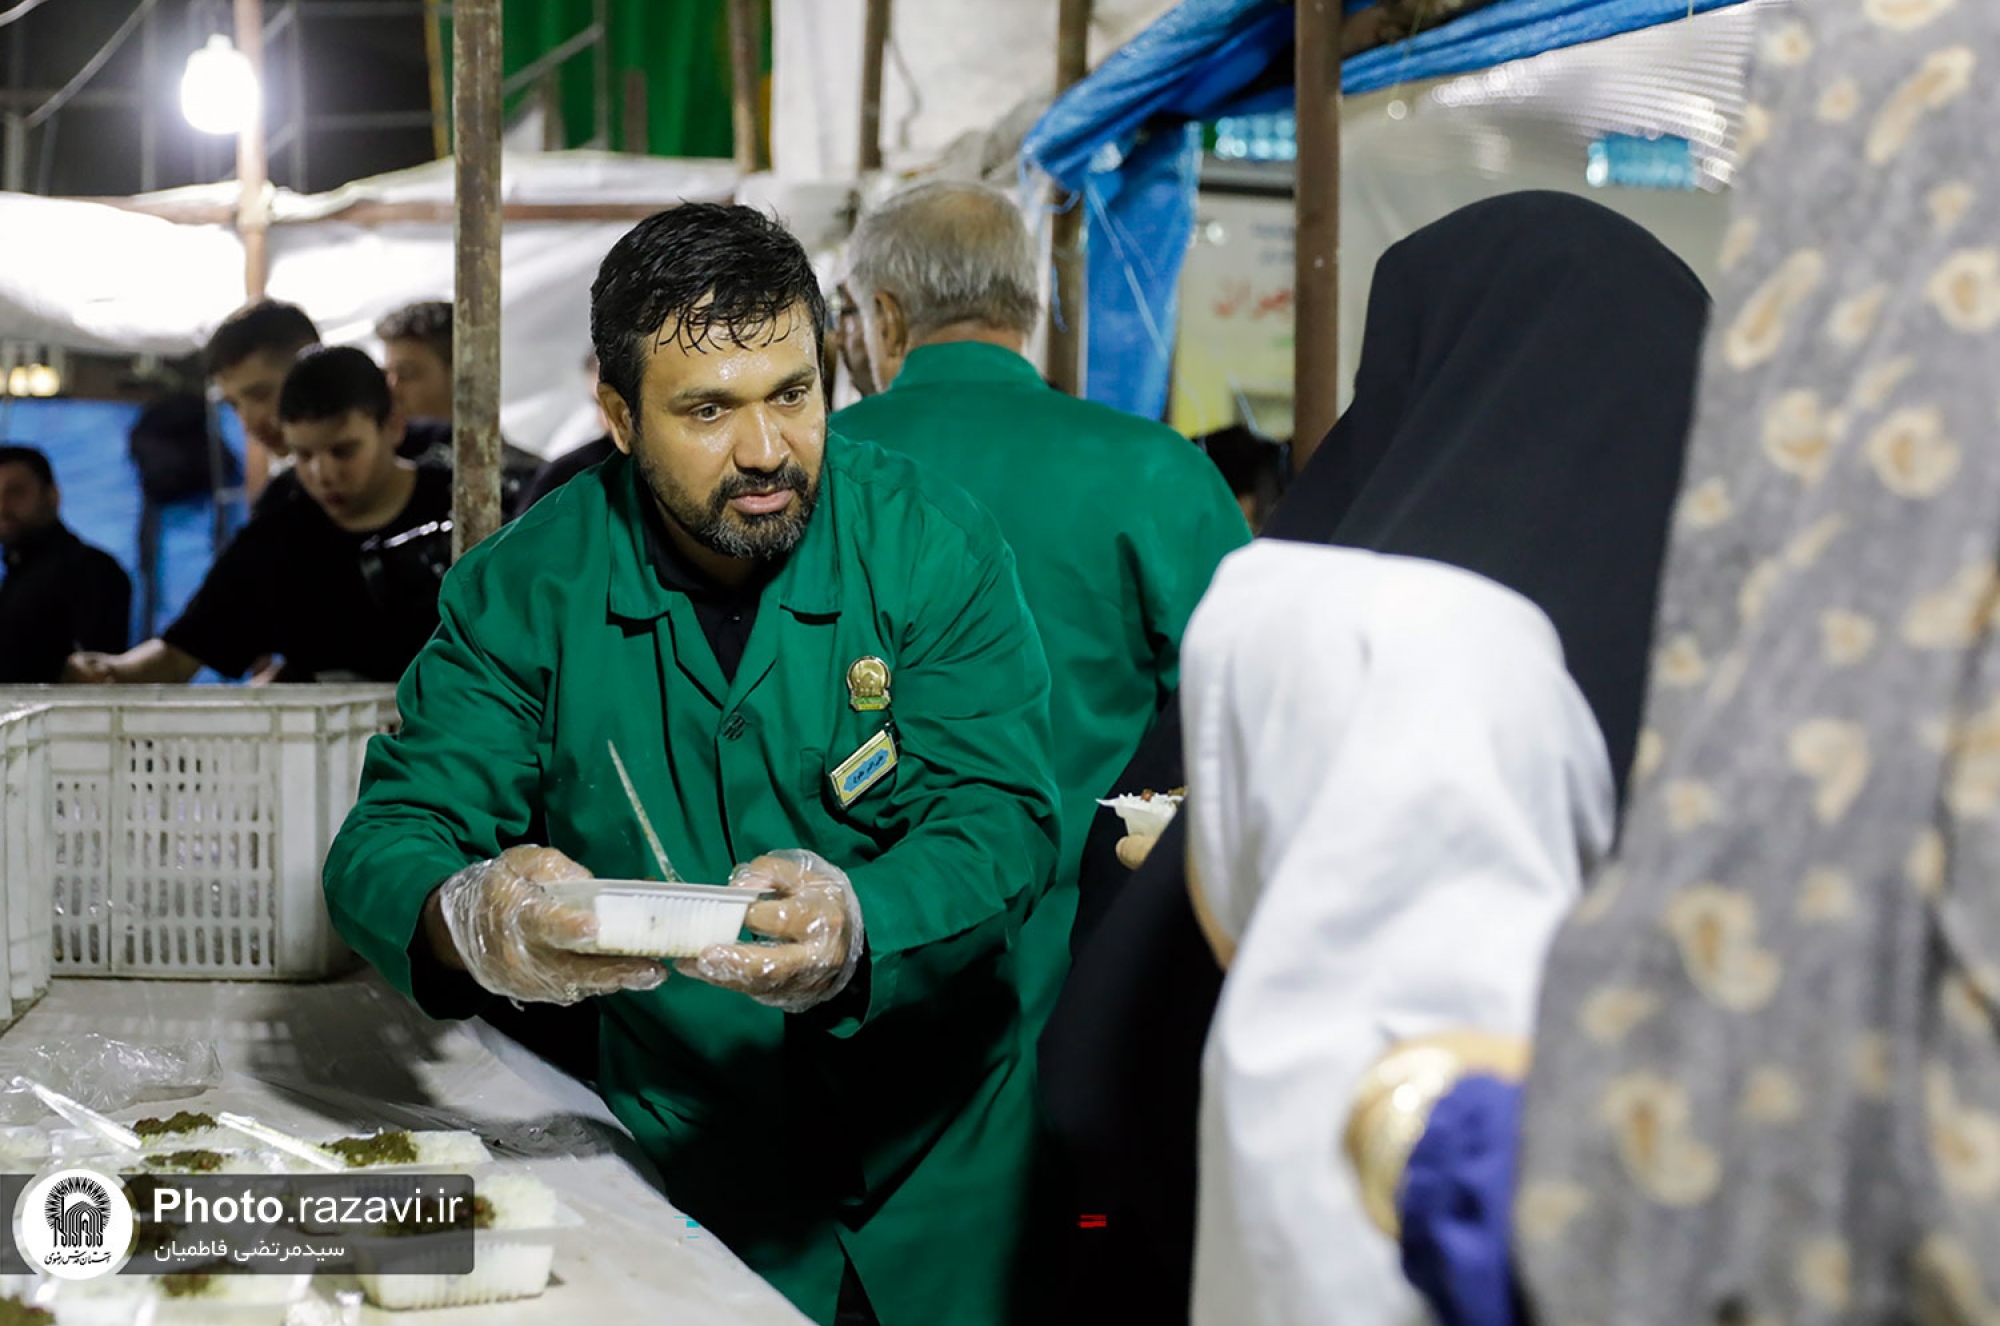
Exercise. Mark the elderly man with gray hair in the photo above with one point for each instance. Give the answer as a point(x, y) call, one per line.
point(1117, 522)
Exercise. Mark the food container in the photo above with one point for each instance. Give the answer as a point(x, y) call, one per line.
point(436, 1149)
point(643, 919)
point(227, 1300)
point(1146, 815)
point(35, 1292)
point(510, 1260)
point(504, 1271)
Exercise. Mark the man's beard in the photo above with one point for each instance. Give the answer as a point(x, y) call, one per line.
point(715, 526)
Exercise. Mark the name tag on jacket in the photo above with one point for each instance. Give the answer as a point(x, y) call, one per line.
point(869, 765)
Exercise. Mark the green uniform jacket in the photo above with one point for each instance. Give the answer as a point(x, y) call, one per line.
point(895, 1123)
point(1117, 524)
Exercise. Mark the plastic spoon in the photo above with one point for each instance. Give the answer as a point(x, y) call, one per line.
point(645, 824)
point(284, 1142)
point(82, 1115)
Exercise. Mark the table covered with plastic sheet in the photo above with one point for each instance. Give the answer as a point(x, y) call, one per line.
point(352, 1055)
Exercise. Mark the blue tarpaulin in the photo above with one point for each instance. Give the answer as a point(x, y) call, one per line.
point(1122, 137)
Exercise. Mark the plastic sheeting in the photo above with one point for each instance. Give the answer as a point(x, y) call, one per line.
point(1208, 58)
point(352, 1055)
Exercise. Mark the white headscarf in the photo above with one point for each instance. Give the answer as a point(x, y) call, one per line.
point(1394, 791)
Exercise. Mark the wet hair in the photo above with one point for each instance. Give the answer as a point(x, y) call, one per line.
point(327, 383)
point(949, 251)
point(34, 458)
point(427, 322)
point(703, 272)
point(267, 325)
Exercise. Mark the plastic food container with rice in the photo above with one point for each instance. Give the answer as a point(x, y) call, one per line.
point(187, 1299)
point(1146, 814)
point(516, 1217)
point(645, 919)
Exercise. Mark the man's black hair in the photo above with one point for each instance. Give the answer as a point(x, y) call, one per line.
point(267, 325)
point(700, 272)
point(428, 322)
point(327, 383)
point(1253, 465)
point(34, 458)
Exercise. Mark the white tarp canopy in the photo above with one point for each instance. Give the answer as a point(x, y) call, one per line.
point(98, 277)
point(952, 71)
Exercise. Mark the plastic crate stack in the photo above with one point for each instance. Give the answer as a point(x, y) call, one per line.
point(180, 832)
point(26, 885)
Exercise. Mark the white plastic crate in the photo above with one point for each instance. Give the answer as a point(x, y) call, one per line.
point(186, 827)
point(25, 886)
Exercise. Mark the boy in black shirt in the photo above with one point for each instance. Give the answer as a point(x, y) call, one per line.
point(339, 575)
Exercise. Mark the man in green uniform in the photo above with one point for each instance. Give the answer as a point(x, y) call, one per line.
point(1117, 522)
point(815, 663)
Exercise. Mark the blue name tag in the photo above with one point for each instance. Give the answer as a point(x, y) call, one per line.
point(1628, 161)
point(868, 766)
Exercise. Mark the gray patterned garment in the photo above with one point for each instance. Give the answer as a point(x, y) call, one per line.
point(1767, 1086)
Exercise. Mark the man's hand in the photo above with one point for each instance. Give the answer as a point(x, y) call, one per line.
point(86, 669)
point(495, 922)
point(1134, 848)
point(815, 921)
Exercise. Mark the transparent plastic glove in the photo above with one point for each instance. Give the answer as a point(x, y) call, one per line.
point(815, 926)
point(511, 935)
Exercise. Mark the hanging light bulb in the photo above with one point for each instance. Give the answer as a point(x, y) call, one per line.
point(43, 380)
point(219, 92)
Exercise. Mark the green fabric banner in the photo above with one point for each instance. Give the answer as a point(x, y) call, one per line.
point(679, 48)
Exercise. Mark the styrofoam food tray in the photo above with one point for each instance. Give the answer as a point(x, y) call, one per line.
point(1146, 817)
point(520, 1271)
point(643, 919)
point(234, 1300)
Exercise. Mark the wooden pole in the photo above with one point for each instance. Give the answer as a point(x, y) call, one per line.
point(1068, 300)
point(637, 137)
point(434, 64)
point(252, 215)
point(475, 328)
point(874, 43)
point(744, 68)
point(1316, 280)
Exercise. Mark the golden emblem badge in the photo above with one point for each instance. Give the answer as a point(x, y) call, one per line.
point(868, 685)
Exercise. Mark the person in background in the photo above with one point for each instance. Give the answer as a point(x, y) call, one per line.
point(1256, 468)
point(60, 594)
point(1395, 791)
point(1766, 1071)
point(339, 575)
point(1116, 522)
point(416, 352)
point(1504, 345)
point(248, 356)
point(577, 459)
